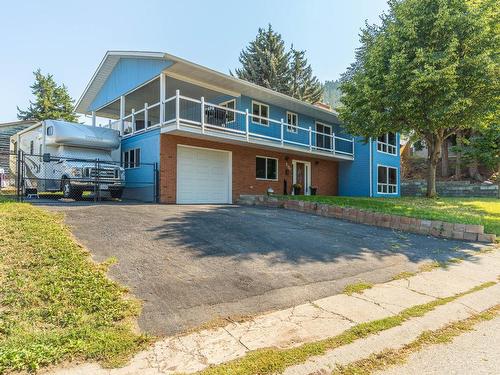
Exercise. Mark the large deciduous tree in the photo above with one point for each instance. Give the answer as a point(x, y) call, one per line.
point(52, 101)
point(429, 69)
point(266, 62)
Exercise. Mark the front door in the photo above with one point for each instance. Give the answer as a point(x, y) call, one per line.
point(302, 176)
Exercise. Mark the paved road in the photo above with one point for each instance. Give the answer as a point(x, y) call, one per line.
point(192, 264)
point(473, 353)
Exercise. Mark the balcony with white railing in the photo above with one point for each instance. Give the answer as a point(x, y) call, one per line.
point(184, 115)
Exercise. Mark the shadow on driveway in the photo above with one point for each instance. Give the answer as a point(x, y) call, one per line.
point(192, 264)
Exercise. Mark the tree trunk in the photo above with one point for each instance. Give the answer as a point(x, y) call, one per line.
point(444, 159)
point(458, 167)
point(433, 147)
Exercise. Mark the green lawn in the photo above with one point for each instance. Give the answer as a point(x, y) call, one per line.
point(484, 211)
point(55, 303)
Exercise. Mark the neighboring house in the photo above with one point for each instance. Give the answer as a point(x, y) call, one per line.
point(7, 129)
point(216, 137)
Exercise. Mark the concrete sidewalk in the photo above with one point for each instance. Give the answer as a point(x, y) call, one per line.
point(482, 358)
point(324, 318)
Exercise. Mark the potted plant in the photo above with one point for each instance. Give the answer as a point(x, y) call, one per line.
point(297, 188)
point(313, 190)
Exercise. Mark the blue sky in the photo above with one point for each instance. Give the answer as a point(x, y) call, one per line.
point(69, 38)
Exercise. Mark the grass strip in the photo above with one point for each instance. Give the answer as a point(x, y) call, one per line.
point(55, 303)
point(272, 360)
point(393, 357)
point(357, 287)
point(403, 275)
point(483, 211)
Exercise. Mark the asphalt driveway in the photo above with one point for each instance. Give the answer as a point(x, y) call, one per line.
point(193, 264)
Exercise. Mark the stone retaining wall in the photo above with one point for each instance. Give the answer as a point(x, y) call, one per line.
point(449, 189)
point(437, 228)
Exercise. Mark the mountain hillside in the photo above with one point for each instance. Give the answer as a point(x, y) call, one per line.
point(331, 94)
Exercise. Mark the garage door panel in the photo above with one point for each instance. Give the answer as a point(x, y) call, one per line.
point(203, 176)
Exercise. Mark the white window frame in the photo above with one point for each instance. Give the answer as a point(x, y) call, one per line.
point(277, 168)
point(387, 184)
point(322, 134)
point(259, 120)
point(290, 127)
point(224, 104)
point(136, 164)
point(386, 147)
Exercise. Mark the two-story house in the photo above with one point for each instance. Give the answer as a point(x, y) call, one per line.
point(216, 137)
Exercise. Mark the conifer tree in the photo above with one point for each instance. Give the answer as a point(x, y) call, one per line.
point(52, 101)
point(266, 63)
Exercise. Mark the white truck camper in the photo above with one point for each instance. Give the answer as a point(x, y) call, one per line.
point(70, 157)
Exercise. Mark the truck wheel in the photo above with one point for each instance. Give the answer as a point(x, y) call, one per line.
point(116, 193)
point(69, 191)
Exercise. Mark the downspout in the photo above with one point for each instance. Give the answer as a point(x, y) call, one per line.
point(371, 168)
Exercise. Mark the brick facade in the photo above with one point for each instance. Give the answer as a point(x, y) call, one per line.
point(324, 173)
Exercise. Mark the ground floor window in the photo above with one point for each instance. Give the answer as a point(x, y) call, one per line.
point(131, 158)
point(266, 168)
point(387, 180)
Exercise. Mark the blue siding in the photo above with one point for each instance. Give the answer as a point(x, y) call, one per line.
point(274, 129)
point(149, 143)
point(127, 74)
point(354, 176)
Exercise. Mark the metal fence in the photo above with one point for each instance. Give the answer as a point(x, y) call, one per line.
point(34, 176)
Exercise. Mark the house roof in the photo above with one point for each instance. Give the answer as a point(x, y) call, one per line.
point(197, 73)
point(18, 123)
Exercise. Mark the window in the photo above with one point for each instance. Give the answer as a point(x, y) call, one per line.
point(131, 158)
point(230, 115)
point(387, 143)
point(292, 121)
point(323, 136)
point(387, 180)
point(266, 168)
point(262, 110)
point(50, 130)
point(32, 148)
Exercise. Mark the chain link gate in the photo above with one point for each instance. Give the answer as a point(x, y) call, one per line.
point(35, 176)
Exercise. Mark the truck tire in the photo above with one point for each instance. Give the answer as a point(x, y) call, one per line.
point(69, 191)
point(116, 193)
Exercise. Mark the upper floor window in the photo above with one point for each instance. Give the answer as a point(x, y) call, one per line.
point(261, 110)
point(387, 143)
point(387, 180)
point(292, 121)
point(131, 158)
point(266, 168)
point(230, 104)
point(50, 130)
point(323, 136)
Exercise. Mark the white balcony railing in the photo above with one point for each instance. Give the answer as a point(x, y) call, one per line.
point(180, 111)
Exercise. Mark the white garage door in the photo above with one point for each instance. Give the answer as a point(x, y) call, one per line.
point(203, 175)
